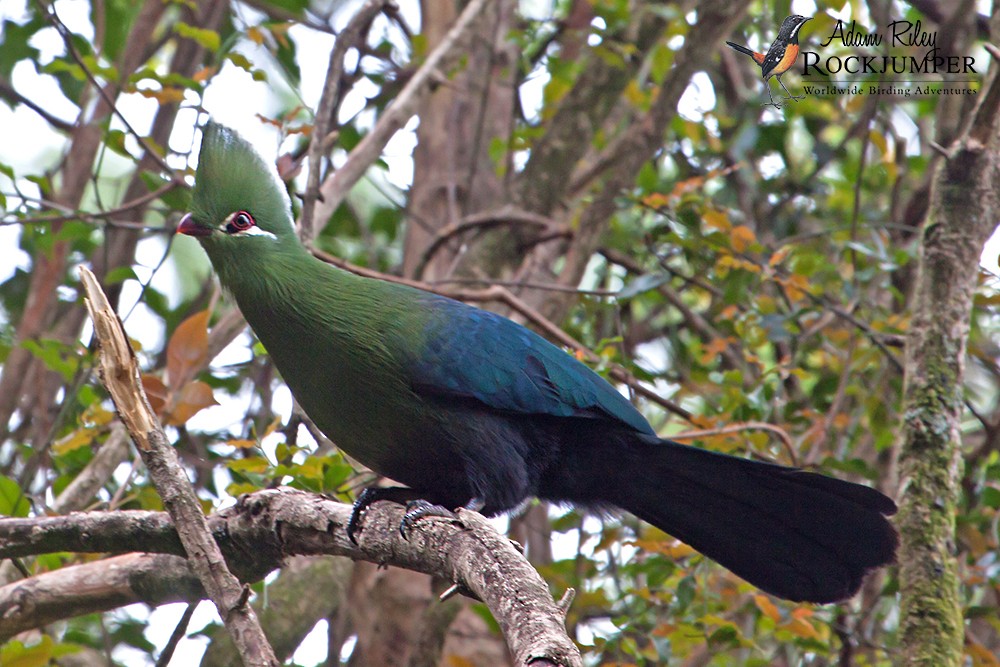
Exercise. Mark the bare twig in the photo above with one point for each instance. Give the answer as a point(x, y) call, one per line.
point(349, 37)
point(335, 188)
point(120, 373)
point(782, 434)
point(508, 215)
point(175, 637)
point(8, 92)
point(65, 33)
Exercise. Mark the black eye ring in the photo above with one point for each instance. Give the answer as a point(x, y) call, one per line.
point(240, 222)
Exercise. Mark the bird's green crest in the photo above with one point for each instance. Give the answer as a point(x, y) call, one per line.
point(232, 177)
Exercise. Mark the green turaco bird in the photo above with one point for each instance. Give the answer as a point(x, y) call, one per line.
point(469, 409)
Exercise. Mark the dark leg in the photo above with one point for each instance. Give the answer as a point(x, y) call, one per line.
point(373, 494)
point(771, 97)
point(420, 508)
point(790, 96)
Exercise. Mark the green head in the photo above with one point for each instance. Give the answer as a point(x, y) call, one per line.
point(239, 206)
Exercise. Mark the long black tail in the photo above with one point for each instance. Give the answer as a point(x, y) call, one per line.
point(796, 534)
point(741, 49)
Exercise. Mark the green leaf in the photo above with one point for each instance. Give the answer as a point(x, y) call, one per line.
point(56, 355)
point(15, 45)
point(207, 38)
point(991, 497)
point(118, 18)
point(12, 500)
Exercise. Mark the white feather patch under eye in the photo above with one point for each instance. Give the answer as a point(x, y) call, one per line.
point(257, 231)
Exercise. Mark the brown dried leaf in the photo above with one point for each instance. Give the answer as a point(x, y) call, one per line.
point(187, 352)
point(194, 397)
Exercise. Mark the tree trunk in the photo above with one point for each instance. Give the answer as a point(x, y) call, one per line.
point(963, 212)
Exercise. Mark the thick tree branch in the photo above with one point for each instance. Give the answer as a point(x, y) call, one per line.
point(94, 587)
point(267, 526)
point(120, 373)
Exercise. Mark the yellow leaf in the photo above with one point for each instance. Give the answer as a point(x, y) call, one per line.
point(802, 612)
point(82, 437)
point(800, 627)
point(655, 200)
point(255, 35)
point(96, 415)
point(742, 236)
point(312, 468)
point(242, 443)
point(187, 351)
point(796, 286)
point(165, 95)
point(207, 38)
point(204, 74)
point(779, 255)
point(678, 550)
point(767, 607)
point(717, 220)
point(256, 464)
point(272, 427)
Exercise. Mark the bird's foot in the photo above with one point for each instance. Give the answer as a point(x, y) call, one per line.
point(795, 97)
point(373, 494)
point(420, 508)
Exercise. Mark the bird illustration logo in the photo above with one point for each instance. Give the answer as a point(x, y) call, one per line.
point(782, 54)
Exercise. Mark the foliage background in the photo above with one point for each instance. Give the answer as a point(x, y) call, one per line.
point(605, 161)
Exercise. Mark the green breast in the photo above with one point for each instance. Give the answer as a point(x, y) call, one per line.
point(336, 339)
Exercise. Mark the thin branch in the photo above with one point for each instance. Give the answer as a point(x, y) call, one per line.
point(9, 93)
point(65, 33)
point(738, 427)
point(335, 188)
point(120, 373)
point(508, 215)
point(175, 637)
point(351, 36)
point(100, 217)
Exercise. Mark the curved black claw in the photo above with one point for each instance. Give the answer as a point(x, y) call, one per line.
point(373, 494)
point(417, 510)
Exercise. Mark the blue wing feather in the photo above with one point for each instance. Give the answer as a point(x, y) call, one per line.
point(473, 353)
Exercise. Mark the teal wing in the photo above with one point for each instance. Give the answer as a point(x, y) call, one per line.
point(471, 353)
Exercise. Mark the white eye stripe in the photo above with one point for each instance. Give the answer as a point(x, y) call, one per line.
point(257, 231)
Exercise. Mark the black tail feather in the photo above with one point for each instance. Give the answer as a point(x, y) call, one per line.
point(741, 49)
point(795, 534)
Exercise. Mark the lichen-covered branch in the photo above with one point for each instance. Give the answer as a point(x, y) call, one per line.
point(265, 527)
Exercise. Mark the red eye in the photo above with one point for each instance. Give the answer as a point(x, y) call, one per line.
point(240, 222)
